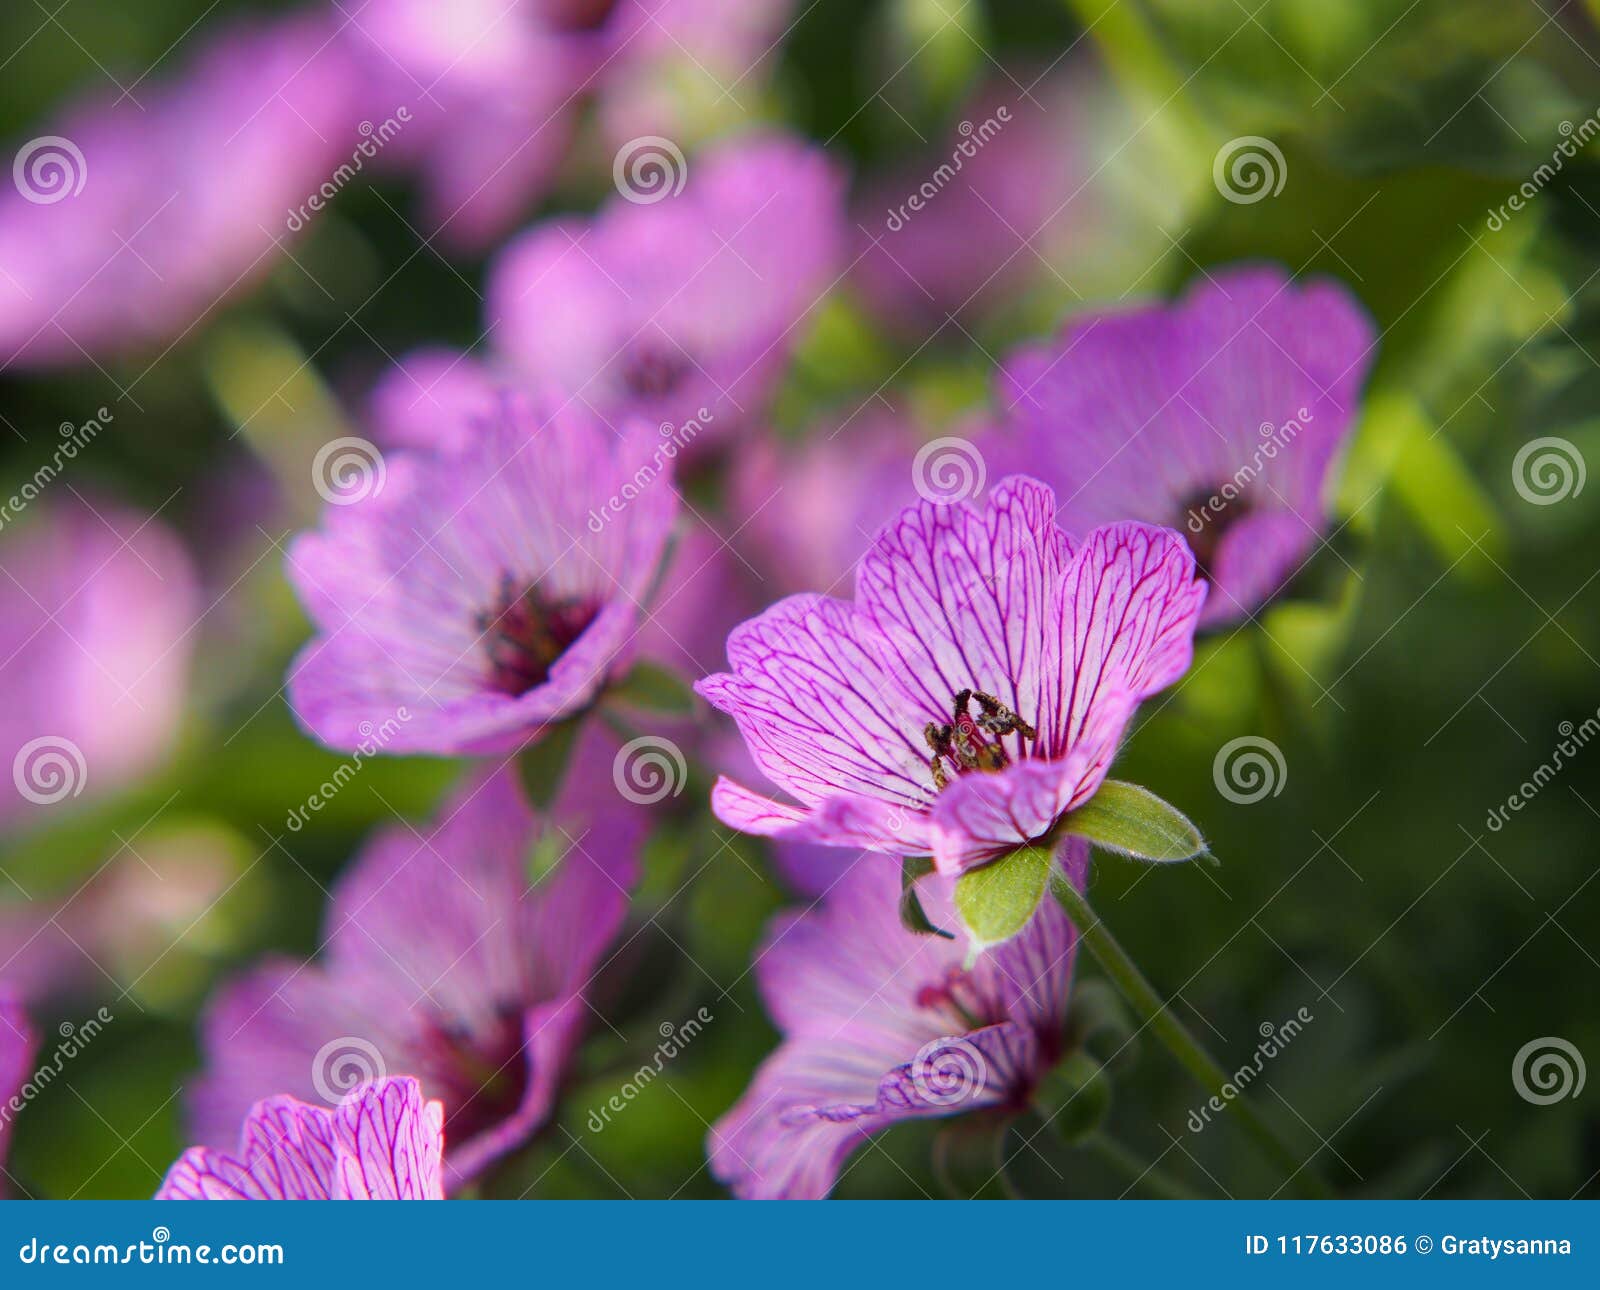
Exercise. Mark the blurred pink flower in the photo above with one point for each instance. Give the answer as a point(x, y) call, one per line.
point(480, 595)
point(98, 610)
point(1220, 414)
point(683, 309)
point(452, 954)
point(807, 512)
point(976, 219)
point(140, 218)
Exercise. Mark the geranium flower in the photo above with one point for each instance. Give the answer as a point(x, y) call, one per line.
point(383, 1142)
point(16, 1061)
point(683, 308)
point(882, 1025)
point(1219, 415)
point(469, 599)
point(447, 957)
point(972, 694)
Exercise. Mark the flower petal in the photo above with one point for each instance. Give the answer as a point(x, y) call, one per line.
point(1126, 613)
point(964, 594)
point(980, 818)
point(841, 821)
point(820, 696)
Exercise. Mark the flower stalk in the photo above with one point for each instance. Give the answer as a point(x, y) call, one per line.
point(1161, 1020)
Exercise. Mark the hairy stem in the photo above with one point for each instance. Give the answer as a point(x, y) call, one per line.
point(1163, 1022)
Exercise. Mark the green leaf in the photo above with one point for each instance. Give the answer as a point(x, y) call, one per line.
point(653, 688)
point(996, 901)
point(1135, 822)
point(540, 765)
point(912, 916)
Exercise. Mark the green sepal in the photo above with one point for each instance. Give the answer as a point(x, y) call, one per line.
point(996, 901)
point(1135, 822)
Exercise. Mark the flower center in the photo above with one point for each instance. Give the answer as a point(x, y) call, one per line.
point(1204, 519)
point(653, 371)
point(524, 634)
point(485, 1069)
point(971, 741)
point(576, 15)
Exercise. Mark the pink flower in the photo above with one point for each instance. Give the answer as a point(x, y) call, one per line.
point(446, 958)
point(383, 1142)
point(974, 691)
point(1220, 415)
point(472, 598)
point(882, 1025)
point(679, 309)
point(164, 206)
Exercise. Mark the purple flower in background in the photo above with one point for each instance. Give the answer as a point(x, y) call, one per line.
point(983, 218)
point(882, 1025)
point(478, 595)
point(16, 1062)
point(383, 1142)
point(133, 220)
point(461, 955)
point(98, 609)
point(837, 487)
point(492, 91)
point(683, 307)
point(1219, 415)
point(974, 692)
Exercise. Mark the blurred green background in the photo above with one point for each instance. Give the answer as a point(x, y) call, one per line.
point(1416, 676)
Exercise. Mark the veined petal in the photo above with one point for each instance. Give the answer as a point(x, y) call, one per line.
point(1125, 614)
point(384, 1142)
point(821, 697)
point(812, 1104)
point(845, 821)
point(965, 594)
point(980, 818)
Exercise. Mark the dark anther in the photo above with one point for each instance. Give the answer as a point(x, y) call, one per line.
point(526, 633)
point(973, 742)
